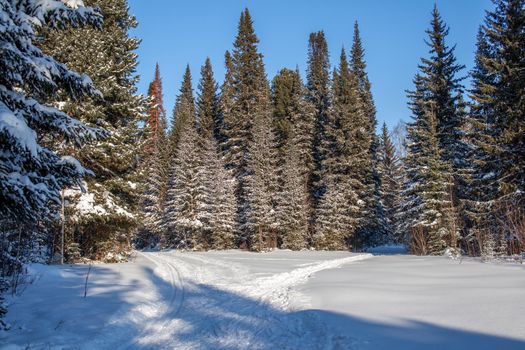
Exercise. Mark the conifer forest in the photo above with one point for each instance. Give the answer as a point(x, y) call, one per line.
point(95, 175)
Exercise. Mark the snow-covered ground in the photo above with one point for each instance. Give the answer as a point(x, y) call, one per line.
point(278, 300)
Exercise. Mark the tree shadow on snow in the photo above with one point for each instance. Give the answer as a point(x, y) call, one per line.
point(211, 318)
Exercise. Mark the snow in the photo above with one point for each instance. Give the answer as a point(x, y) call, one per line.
point(276, 300)
point(18, 129)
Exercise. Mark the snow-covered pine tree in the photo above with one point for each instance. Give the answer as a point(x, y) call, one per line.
point(391, 173)
point(208, 106)
point(32, 174)
point(249, 101)
point(293, 205)
point(338, 214)
point(105, 216)
point(498, 117)
point(373, 230)
point(318, 94)
point(187, 209)
point(444, 91)
point(260, 187)
point(187, 203)
point(427, 208)
point(155, 166)
point(222, 223)
point(293, 123)
point(217, 181)
point(183, 111)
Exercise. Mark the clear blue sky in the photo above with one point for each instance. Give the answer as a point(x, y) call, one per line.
point(178, 32)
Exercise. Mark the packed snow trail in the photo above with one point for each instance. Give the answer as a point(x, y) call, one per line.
point(225, 307)
point(173, 300)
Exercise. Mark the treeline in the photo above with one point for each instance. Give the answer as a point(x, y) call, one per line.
point(250, 163)
point(292, 164)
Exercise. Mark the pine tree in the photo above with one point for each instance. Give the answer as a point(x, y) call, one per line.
point(427, 208)
point(32, 175)
point(208, 108)
point(260, 185)
point(373, 230)
point(293, 207)
point(437, 100)
point(444, 90)
point(108, 57)
point(391, 173)
point(186, 212)
point(496, 121)
point(249, 103)
point(318, 94)
point(293, 124)
point(217, 181)
point(339, 212)
point(183, 111)
point(156, 160)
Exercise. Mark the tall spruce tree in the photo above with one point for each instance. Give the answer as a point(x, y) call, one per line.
point(249, 103)
point(427, 206)
point(293, 123)
point(440, 73)
point(217, 181)
point(497, 121)
point(186, 214)
point(338, 214)
point(183, 111)
point(373, 230)
point(155, 166)
point(107, 224)
point(437, 99)
point(318, 94)
point(208, 106)
point(391, 173)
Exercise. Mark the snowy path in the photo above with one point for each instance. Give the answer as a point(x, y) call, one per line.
point(278, 300)
point(171, 300)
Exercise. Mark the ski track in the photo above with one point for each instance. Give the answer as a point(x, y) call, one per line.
point(224, 298)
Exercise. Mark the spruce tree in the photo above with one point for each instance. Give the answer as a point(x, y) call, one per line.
point(208, 107)
point(318, 94)
point(107, 56)
point(438, 100)
point(217, 181)
point(373, 230)
point(260, 186)
point(293, 124)
point(391, 173)
point(186, 216)
point(427, 208)
point(338, 212)
point(497, 121)
point(155, 166)
point(249, 103)
point(443, 88)
point(183, 112)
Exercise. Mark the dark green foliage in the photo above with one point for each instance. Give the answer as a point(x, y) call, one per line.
point(391, 173)
point(318, 94)
point(245, 101)
point(107, 56)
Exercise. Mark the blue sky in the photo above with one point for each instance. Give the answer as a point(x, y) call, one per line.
point(177, 32)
